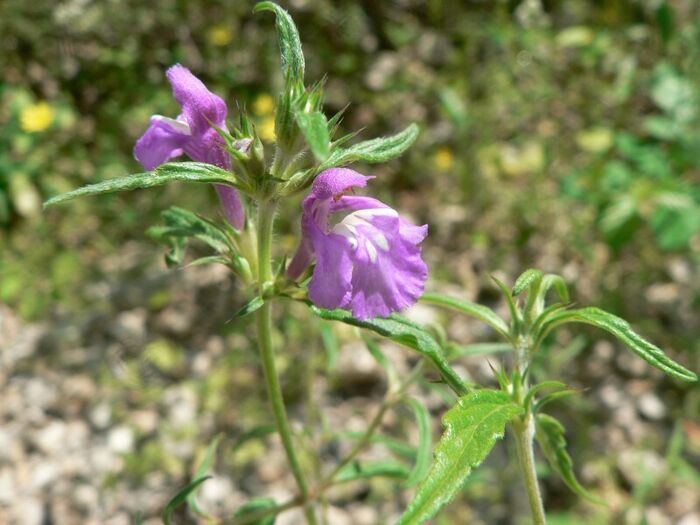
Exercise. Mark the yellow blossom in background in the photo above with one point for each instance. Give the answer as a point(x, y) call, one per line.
point(220, 35)
point(264, 104)
point(266, 129)
point(444, 159)
point(37, 117)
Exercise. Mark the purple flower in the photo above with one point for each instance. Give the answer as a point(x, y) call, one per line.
point(369, 261)
point(192, 134)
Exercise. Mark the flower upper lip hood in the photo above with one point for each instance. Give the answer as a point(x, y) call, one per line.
point(192, 134)
point(369, 261)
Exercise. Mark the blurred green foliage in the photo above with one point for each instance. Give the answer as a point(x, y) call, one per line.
point(555, 134)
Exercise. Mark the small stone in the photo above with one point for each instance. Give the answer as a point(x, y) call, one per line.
point(690, 519)
point(129, 327)
point(101, 415)
point(52, 438)
point(121, 439)
point(146, 421)
point(650, 406)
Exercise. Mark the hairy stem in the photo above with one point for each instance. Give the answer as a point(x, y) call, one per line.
point(266, 214)
point(524, 431)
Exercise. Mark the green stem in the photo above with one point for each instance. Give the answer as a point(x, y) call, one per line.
point(524, 433)
point(524, 430)
point(266, 215)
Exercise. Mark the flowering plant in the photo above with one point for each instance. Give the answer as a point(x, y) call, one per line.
point(358, 262)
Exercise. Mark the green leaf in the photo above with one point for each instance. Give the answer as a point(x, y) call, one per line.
point(483, 313)
point(398, 447)
point(457, 351)
point(202, 471)
point(404, 332)
point(541, 386)
point(623, 331)
point(472, 427)
point(251, 306)
point(365, 470)
point(257, 432)
point(170, 172)
point(526, 279)
point(183, 223)
point(552, 280)
point(180, 498)
point(314, 126)
point(382, 359)
point(289, 42)
point(425, 443)
point(258, 505)
point(373, 151)
point(551, 438)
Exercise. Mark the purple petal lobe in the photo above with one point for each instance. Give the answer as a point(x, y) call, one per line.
point(232, 205)
point(335, 181)
point(388, 271)
point(162, 141)
point(199, 105)
point(330, 285)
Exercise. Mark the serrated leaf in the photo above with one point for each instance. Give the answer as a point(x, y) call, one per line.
point(478, 311)
point(373, 151)
point(314, 127)
point(170, 172)
point(258, 505)
point(184, 223)
point(289, 42)
point(425, 443)
point(550, 435)
point(366, 470)
point(180, 498)
point(472, 427)
point(202, 471)
point(621, 329)
point(404, 332)
point(526, 279)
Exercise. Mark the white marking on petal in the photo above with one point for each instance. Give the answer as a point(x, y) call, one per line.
point(371, 251)
point(178, 126)
point(380, 241)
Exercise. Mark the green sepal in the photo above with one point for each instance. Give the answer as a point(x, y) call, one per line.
point(251, 306)
point(314, 127)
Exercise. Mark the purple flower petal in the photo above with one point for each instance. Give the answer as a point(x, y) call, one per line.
point(162, 141)
point(192, 133)
point(232, 205)
point(335, 181)
point(199, 105)
point(370, 261)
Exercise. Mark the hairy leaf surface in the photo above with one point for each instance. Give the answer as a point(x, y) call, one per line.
point(472, 427)
point(170, 172)
point(550, 435)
